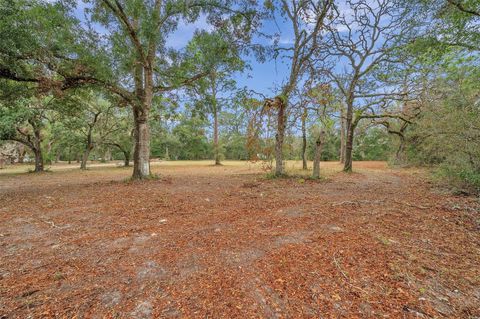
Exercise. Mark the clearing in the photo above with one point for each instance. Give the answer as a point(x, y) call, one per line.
point(226, 242)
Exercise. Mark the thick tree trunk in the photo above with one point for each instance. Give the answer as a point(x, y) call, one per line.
point(318, 155)
point(304, 140)
point(342, 135)
point(88, 149)
point(141, 153)
point(279, 137)
point(215, 137)
point(350, 126)
point(37, 149)
point(38, 160)
point(126, 158)
point(86, 154)
point(144, 91)
point(349, 150)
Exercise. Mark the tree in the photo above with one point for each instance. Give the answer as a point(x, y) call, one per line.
point(446, 24)
point(221, 58)
point(23, 121)
point(307, 19)
point(119, 134)
point(130, 59)
point(367, 43)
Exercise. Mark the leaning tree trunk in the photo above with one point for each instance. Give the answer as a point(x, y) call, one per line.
point(86, 154)
point(318, 155)
point(141, 153)
point(342, 136)
point(88, 149)
point(215, 137)
point(304, 140)
point(279, 137)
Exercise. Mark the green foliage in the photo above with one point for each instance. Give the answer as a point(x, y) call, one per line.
point(372, 144)
point(447, 134)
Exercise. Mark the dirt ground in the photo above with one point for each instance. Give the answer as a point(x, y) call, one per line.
point(227, 242)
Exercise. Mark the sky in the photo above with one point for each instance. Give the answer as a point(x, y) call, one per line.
point(262, 77)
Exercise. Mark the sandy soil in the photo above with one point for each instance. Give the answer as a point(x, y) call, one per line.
point(226, 242)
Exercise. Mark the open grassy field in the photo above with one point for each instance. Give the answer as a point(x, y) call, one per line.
point(202, 241)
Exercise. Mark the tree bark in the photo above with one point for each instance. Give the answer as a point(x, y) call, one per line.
point(88, 147)
point(318, 155)
point(37, 149)
point(279, 137)
point(38, 160)
point(141, 153)
point(400, 153)
point(342, 135)
point(86, 154)
point(215, 136)
point(127, 158)
point(304, 139)
point(351, 125)
point(144, 90)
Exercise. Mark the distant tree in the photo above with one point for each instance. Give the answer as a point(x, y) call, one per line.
point(221, 58)
point(24, 121)
point(119, 134)
point(307, 19)
point(367, 42)
point(130, 59)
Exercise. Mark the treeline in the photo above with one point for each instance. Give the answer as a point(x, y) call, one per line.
point(388, 79)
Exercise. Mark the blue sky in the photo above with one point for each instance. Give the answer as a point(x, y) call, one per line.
point(262, 77)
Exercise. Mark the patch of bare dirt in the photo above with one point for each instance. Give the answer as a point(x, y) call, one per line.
point(224, 242)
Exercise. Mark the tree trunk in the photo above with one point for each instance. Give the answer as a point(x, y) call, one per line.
point(38, 160)
point(400, 154)
point(37, 149)
point(279, 137)
point(86, 154)
point(141, 153)
point(127, 158)
point(304, 140)
point(215, 137)
point(342, 135)
point(318, 155)
point(349, 145)
point(350, 126)
point(143, 76)
point(88, 148)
